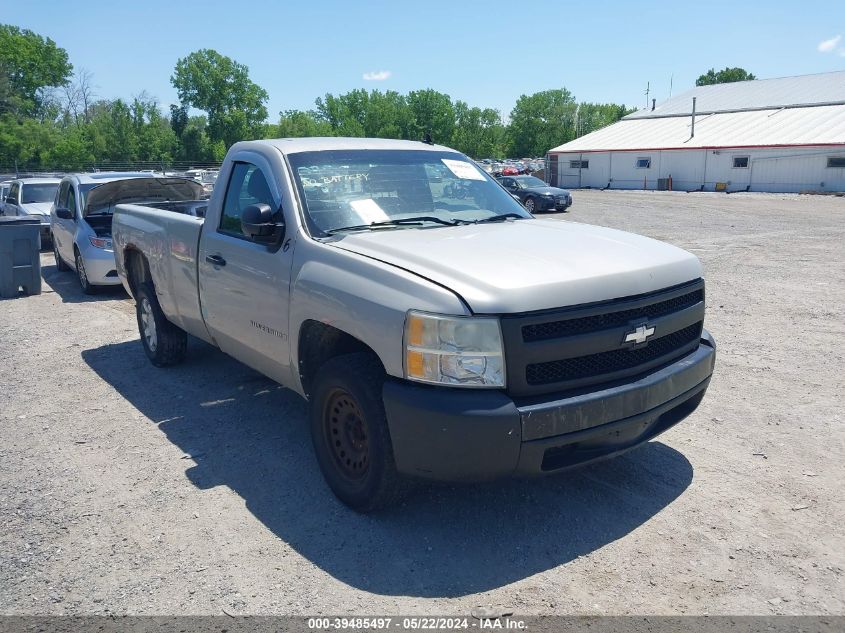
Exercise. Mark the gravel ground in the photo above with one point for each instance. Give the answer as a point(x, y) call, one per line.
point(131, 490)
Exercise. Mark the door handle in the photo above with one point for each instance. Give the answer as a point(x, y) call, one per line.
point(215, 259)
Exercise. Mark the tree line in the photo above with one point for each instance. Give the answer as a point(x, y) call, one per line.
point(52, 118)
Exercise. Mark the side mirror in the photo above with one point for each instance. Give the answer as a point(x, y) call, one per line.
point(63, 213)
point(11, 200)
point(258, 225)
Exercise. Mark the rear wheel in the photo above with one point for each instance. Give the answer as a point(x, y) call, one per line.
point(350, 434)
point(164, 343)
point(82, 276)
point(61, 266)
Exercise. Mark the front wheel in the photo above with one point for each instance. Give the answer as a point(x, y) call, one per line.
point(530, 205)
point(87, 287)
point(164, 343)
point(350, 434)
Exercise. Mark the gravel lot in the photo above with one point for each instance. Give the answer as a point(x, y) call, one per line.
point(193, 490)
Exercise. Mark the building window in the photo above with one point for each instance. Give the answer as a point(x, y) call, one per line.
point(644, 162)
point(836, 161)
point(579, 164)
point(740, 162)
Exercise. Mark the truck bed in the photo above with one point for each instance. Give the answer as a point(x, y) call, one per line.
point(167, 234)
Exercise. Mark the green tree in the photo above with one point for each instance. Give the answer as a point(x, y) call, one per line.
point(478, 132)
point(433, 113)
point(195, 145)
point(296, 123)
point(593, 116)
point(178, 118)
point(344, 113)
point(541, 121)
point(221, 87)
point(725, 76)
point(31, 64)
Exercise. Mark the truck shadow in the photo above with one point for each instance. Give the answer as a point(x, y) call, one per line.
point(248, 433)
point(66, 285)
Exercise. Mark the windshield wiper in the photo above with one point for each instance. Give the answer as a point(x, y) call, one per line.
point(413, 221)
point(501, 218)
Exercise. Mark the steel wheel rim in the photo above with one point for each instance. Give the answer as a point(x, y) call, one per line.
point(346, 434)
point(148, 325)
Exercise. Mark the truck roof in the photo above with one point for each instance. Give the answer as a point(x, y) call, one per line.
point(320, 144)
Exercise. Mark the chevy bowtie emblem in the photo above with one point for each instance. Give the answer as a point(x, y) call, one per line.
point(640, 335)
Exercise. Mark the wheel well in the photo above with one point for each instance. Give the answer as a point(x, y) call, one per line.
point(319, 343)
point(137, 269)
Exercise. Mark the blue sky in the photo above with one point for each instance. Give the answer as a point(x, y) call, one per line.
point(485, 53)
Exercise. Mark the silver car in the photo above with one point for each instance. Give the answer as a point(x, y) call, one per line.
point(32, 197)
point(81, 218)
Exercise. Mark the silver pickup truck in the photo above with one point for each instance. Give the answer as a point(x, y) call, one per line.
point(456, 339)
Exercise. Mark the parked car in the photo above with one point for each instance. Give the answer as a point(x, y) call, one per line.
point(4, 191)
point(433, 337)
point(33, 197)
point(536, 195)
point(81, 218)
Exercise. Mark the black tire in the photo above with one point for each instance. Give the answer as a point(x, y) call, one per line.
point(61, 266)
point(164, 343)
point(87, 287)
point(530, 205)
point(350, 434)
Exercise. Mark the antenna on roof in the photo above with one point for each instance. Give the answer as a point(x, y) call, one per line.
point(647, 90)
point(671, 79)
point(427, 139)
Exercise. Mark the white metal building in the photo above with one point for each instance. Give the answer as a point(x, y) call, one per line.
point(779, 135)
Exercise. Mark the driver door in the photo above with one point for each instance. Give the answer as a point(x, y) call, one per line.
point(244, 286)
point(65, 230)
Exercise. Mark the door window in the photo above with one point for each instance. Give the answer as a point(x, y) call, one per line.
point(247, 186)
point(71, 201)
point(61, 196)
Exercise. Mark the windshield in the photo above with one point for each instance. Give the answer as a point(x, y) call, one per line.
point(40, 192)
point(362, 188)
point(530, 181)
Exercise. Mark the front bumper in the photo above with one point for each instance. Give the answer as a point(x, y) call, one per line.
point(473, 435)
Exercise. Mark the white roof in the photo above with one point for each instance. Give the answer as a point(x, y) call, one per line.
point(802, 90)
point(806, 110)
point(823, 125)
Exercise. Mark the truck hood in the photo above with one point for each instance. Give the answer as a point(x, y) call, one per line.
point(103, 198)
point(528, 265)
point(36, 208)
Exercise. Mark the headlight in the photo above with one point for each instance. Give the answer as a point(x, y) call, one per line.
point(100, 242)
point(457, 351)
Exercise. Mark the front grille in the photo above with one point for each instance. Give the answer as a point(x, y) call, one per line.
point(558, 329)
point(610, 362)
point(570, 349)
